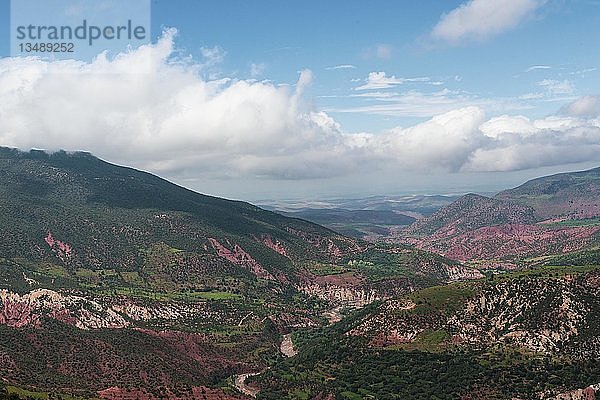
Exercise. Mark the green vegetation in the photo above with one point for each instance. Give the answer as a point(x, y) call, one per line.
point(576, 222)
point(190, 296)
point(546, 271)
point(583, 257)
point(431, 367)
point(323, 269)
point(184, 359)
point(384, 262)
point(433, 341)
point(355, 370)
point(447, 298)
point(214, 283)
point(16, 393)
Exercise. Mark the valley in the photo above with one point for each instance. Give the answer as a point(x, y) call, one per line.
point(117, 284)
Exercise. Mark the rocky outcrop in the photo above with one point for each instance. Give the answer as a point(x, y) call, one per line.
point(501, 241)
point(588, 393)
point(481, 228)
point(471, 212)
point(287, 346)
point(544, 315)
point(159, 311)
point(461, 273)
point(394, 324)
point(274, 245)
point(165, 315)
point(63, 250)
point(29, 309)
point(239, 256)
point(349, 296)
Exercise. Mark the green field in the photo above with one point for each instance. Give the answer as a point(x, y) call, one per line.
point(28, 394)
point(170, 296)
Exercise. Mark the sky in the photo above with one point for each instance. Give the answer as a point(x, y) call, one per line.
point(272, 100)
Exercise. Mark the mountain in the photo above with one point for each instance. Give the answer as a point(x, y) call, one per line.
point(79, 197)
point(471, 212)
point(117, 284)
point(550, 215)
point(105, 269)
point(572, 195)
point(519, 336)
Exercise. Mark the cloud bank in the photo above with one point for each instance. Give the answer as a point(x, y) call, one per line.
point(173, 120)
point(584, 107)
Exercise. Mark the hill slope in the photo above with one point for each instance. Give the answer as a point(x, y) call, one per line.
point(471, 212)
point(78, 197)
point(91, 252)
point(568, 195)
point(550, 215)
point(529, 336)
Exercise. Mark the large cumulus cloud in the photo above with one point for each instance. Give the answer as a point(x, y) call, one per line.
point(167, 117)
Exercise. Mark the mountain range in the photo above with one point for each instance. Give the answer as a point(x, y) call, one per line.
point(546, 216)
point(93, 253)
point(117, 284)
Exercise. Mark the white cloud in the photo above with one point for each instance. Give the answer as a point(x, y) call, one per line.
point(462, 140)
point(213, 55)
point(496, 127)
point(257, 69)
point(167, 120)
point(305, 79)
point(342, 66)
point(532, 96)
point(380, 80)
point(444, 142)
point(584, 71)
point(574, 141)
point(555, 87)
point(414, 103)
point(519, 143)
point(537, 67)
point(480, 19)
point(174, 122)
point(586, 106)
point(376, 95)
point(409, 104)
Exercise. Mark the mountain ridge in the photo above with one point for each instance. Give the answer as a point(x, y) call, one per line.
point(90, 251)
point(517, 222)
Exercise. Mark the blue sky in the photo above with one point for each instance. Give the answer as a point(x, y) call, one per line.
point(285, 39)
point(269, 99)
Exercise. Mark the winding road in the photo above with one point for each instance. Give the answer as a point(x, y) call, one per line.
point(239, 381)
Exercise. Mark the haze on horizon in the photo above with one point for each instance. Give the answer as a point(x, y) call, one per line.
point(266, 101)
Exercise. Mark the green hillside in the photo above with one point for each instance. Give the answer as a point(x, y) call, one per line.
point(94, 254)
